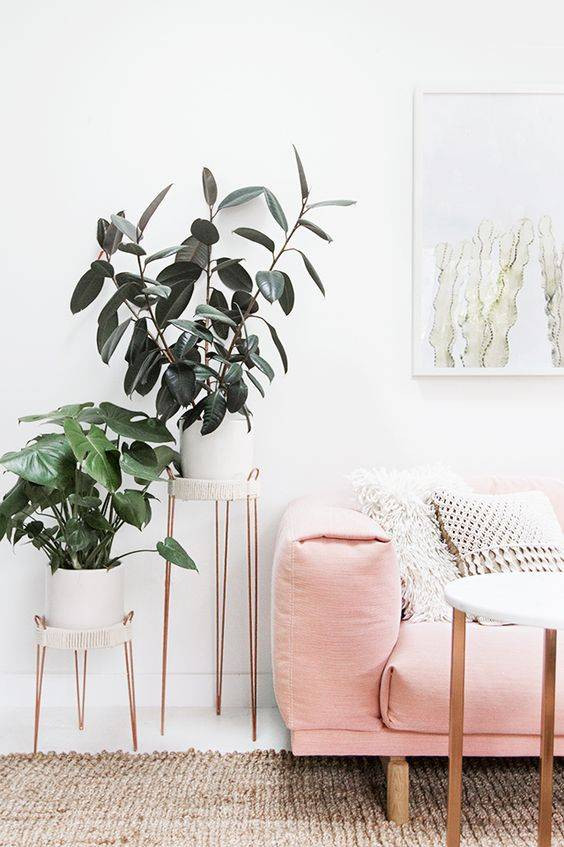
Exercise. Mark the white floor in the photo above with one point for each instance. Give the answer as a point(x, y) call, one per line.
point(109, 729)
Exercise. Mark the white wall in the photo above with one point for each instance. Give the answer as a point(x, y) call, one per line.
point(104, 103)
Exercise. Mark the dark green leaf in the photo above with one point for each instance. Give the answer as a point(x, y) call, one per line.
point(162, 254)
point(255, 382)
point(262, 365)
point(184, 344)
point(131, 247)
point(236, 396)
point(105, 330)
point(138, 340)
point(332, 203)
point(215, 407)
point(233, 373)
point(101, 229)
point(126, 228)
point(109, 346)
point(113, 237)
point(241, 195)
point(186, 272)
point(151, 209)
point(194, 329)
point(118, 298)
point(276, 209)
point(133, 424)
point(278, 345)
point(97, 521)
point(193, 251)
point(204, 231)
point(144, 366)
point(271, 284)
point(256, 236)
point(130, 506)
point(102, 267)
point(287, 297)
point(172, 308)
point(316, 229)
point(165, 403)
point(210, 187)
point(15, 500)
point(47, 461)
point(173, 552)
point(204, 311)
point(77, 535)
point(242, 300)
point(303, 181)
point(234, 277)
point(218, 301)
point(192, 415)
point(181, 381)
point(157, 290)
point(87, 289)
point(140, 470)
point(96, 453)
point(72, 410)
point(312, 272)
point(225, 263)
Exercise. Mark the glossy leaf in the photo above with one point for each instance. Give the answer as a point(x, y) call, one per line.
point(193, 251)
point(275, 209)
point(255, 382)
point(118, 298)
point(157, 290)
point(15, 500)
point(233, 373)
point(142, 368)
point(131, 465)
point(186, 272)
point(210, 187)
point(77, 535)
point(163, 254)
point(173, 552)
point(95, 451)
point(301, 173)
point(72, 410)
point(262, 365)
point(173, 307)
point(194, 329)
point(87, 289)
point(151, 209)
point(184, 344)
point(287, 297)
point(110, 345)
point(241, 195)
point(113, 237)
point(236, 396)
point(316, 229)
point(234, 277)
point(225, 263)
point(48, 460)
point(332, 203)
point(126, 228)
point(271, 284)
point(204, 231)
point(192, 415)
point(204, 311)
point(129, 505)
point(105, 330)
point(136, 425)
point(101, 229)
point(279, 346)
point(215, 407)
point(312, 272)
point(131, 247)
point(138, 340)
point(256, 236)
point(242, 300)
point(102, 267)
point(165, 403)
point(181, 382)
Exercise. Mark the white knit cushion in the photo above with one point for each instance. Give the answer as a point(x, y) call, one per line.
point(500, 532)
point(402, 503)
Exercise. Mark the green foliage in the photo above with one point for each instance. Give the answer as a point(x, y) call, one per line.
point(70, 499)
point(195, 368)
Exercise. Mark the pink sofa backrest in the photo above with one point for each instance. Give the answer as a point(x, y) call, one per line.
point(552, 487)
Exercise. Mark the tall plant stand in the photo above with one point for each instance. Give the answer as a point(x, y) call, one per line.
point(81, 641)
point(220, 491)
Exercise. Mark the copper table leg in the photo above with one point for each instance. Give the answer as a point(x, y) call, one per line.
point(252, 580)
point(166, 610)
point(39, 668)
point(79, 696)
point(456, 728)
point(128, 649)
point(547, 738)
point(220, 601)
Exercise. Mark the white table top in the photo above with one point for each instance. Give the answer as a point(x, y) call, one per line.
point(530, 599)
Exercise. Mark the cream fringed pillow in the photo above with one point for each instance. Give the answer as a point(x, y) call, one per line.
point(489, 533)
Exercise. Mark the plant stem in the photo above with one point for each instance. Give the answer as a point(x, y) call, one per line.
point(167, 351)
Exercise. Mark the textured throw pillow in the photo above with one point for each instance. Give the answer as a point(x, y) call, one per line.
point(492, 533)
point(402, 503)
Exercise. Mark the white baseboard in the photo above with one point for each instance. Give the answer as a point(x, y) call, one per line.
point(105, 689)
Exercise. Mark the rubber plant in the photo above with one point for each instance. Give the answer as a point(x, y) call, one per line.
point(207, 367)
point(70, 499)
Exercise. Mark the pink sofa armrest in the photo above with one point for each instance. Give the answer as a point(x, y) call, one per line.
point(336, 615)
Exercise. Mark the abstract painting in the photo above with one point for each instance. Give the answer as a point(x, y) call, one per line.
point(488, 292)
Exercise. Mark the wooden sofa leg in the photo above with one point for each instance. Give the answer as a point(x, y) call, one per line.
point(396, 771)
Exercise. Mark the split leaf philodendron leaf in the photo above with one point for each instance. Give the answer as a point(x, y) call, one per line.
point(97, 454)
point(48, 460)
point(173, 552)
point(134, 424)
point(130, 507)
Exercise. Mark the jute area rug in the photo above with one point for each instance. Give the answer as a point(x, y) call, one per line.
point(263, 799)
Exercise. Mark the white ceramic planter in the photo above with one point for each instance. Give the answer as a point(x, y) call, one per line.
point(84, 599)
point(226, 453)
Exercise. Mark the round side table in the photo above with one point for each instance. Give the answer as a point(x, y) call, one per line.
point(517, 598)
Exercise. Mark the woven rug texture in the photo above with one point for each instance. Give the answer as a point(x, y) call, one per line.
point(263, 799)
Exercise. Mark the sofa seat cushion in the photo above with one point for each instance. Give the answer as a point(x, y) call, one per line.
point(503, 680)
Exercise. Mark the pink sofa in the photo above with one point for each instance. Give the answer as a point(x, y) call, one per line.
point(351, 678)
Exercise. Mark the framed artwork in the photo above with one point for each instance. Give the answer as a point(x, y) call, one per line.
point(488, 255)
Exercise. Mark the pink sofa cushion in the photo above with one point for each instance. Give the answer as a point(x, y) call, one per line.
point(503, 680)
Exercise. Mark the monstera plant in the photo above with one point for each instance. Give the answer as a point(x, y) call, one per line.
point(78, 486)
point(203, 348)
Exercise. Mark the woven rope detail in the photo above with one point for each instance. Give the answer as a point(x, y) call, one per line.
point(84, 639)
point(213, 489)
point(500, 533)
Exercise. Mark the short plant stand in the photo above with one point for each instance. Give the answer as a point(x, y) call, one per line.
point(80, 641)
point(220, 491)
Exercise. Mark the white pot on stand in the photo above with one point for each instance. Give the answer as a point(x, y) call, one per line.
point(226, 453)
point(84, 599)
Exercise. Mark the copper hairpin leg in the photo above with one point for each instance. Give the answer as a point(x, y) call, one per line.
point(79, 697)
point(39, 668)
point(128, 650)
point(252, 541)
point(220, 601)
point(547, 738)
point(456, 728)
point(170, 532)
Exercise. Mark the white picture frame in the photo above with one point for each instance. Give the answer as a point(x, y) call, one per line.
point(481, 131)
